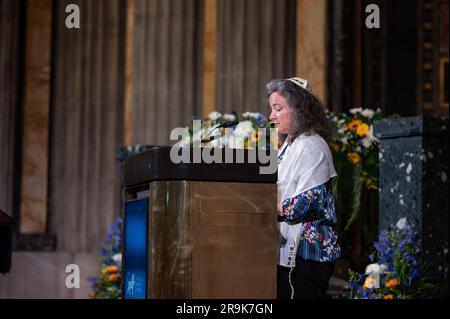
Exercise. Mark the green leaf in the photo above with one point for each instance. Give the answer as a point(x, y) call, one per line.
point(356, 195)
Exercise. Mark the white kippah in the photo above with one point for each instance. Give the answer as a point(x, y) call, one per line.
point(304, 84)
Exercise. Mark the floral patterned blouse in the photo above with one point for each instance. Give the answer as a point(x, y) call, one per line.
point(315, 210)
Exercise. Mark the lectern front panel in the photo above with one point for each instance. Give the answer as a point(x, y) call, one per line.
point(212, 240)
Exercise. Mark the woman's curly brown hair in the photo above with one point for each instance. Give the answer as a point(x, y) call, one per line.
point(308, 113)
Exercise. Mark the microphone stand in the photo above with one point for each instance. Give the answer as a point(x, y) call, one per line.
point(223, 125)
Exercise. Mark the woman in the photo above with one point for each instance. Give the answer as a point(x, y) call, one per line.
point(308, 242)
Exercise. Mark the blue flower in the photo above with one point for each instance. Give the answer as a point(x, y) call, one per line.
point(364, 293)
point(409, 258)
point(399, 248)
point(261, 119)
point(354, 284)
point(403, 245)
point(94, 282)
point(415, 271)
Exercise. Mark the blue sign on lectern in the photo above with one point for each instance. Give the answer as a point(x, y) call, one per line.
point(135, 249)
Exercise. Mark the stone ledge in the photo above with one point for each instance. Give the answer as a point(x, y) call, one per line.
point(34, 242)
point(411, 126)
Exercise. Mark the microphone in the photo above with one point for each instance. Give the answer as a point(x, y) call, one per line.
point(228, 124)
point(207, 139)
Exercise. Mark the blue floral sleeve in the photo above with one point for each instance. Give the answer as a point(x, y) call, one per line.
point(305, 207)
point(315, 210)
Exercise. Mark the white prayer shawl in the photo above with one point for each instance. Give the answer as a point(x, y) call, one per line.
point(306, 163)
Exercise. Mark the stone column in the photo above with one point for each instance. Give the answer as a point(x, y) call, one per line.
point(414, 181)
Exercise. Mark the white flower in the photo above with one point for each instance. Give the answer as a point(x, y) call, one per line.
point(367, 142)
point(344, 140)
point(244, 129)
point(117, 259)
point(401, 223)
point(375, 269)
point(369, 133)
point(214, 115)
point(252, 115)
point(229, 117)
point(368, 113)
point(356, 110)
point(369, 139)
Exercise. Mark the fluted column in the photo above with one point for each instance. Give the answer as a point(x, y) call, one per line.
point(86, 123)
point(255, 43)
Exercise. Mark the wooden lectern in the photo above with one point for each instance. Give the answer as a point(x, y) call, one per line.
point(198, 230)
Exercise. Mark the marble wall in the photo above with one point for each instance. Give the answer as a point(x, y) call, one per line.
point(36, 113)
point(414, 154)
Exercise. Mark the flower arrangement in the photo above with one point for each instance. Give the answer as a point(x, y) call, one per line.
point(353, 144)
point(251, 132)
point(107, 285)
point(353, 140)
point(398, 268)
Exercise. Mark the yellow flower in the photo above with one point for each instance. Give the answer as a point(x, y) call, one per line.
point(389, 296)
point(113, 277)
point(336, 148)
point(362, 129)
point(112, 269)
point(104, 271)
point(354, 124)
point(354, 157)
point(369, 282)
point(392, 283)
